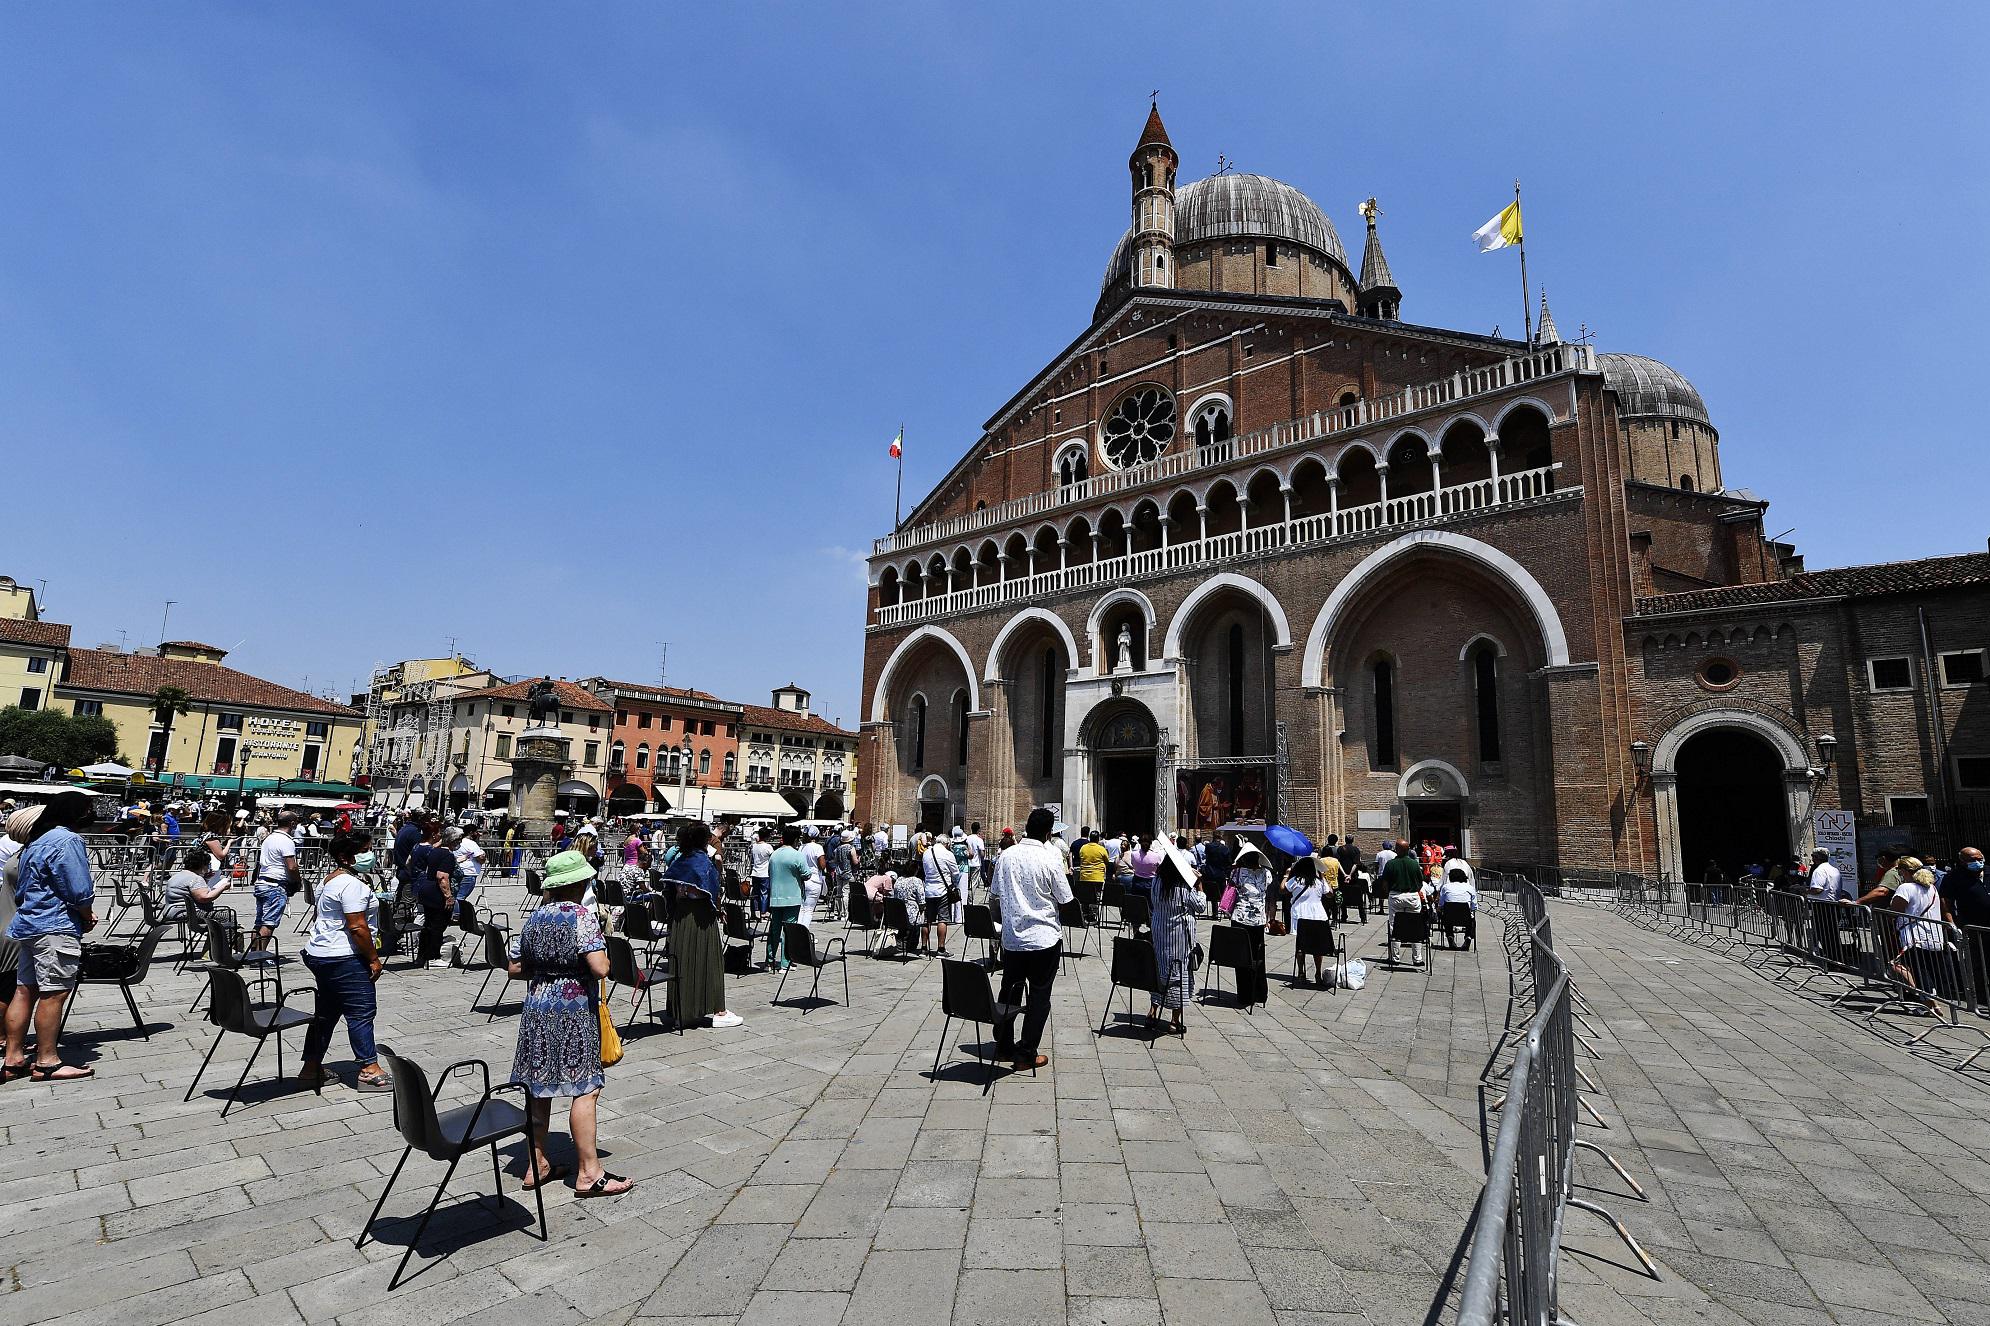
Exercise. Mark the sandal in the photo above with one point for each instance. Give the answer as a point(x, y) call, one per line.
point(60, 1072)
point(8, 1072)
point(599, 1188)
point(551, 1174)
point(377, 1082)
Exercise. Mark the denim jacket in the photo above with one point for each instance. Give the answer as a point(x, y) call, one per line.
point(54, 888)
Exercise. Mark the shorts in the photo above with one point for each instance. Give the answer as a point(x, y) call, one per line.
point(270, 902)
point(939, 911)
point(50, 963)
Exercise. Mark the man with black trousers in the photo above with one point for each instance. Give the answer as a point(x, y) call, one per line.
point(1028, 887)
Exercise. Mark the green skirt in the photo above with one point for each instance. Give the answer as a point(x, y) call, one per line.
point(697, 952)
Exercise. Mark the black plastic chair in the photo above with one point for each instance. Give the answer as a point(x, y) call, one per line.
point(225, 953)
point(1111, 894)
point(1240, 949)
point(640, 928)
point(133, 974)
point(738, 939)
point(1136, 912)
point(450, 1135)
point(1071, 915)
point(1089, 894)
point(535, 889)
point(1316, 939)
point(966, 996)
point(978, 922)
point(640, 978)
point(861, 917)
point(229, 1009)
point(897, 918)
point(497, 961)
point(1135, 966)
point(799, 944)
point(1457, 918)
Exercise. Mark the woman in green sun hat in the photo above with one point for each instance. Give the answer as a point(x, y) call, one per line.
point(562, 955)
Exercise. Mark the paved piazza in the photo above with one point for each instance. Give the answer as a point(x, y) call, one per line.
point(1315, 1162)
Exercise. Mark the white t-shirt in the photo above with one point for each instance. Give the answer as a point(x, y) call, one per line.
point(341, 893)
point(1824, 880)
point(813, 851)
point(1920, 920)
point(977, 851)
point(1457, 890)
point(469, 860)
point(270, 857)
point(763, 853)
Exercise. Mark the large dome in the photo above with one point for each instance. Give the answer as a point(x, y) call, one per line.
point(1240, 205)
point(1648, 389)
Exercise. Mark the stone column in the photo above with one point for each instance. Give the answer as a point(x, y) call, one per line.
point(1492, 452)
point(539, 763)
point(1665, 808)
point(1201, 522)
point(1333, 504)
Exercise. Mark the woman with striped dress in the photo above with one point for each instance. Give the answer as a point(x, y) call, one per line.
point(1178, 900)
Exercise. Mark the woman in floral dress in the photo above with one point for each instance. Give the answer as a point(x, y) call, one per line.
point(563, 958)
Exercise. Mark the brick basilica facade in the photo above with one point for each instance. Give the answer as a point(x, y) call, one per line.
point(1252, 545)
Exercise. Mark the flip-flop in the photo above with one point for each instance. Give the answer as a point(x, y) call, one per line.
point(55, 1073)
point(551, 1174)
point(599, 1188)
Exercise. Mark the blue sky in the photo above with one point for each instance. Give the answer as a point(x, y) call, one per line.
point(566, 330)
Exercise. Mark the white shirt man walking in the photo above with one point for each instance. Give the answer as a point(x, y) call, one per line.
point(1029, 886)
point(1824, 877)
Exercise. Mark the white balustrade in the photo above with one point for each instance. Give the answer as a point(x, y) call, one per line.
point(1346, 522)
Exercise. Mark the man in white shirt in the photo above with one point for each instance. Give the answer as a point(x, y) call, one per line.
point(977, 859)
point(277, 877)
point(1031, 882)
point(818, 877)
point(469, 865)
point(1825, 878)
point(763, 854)
point(1457, 898)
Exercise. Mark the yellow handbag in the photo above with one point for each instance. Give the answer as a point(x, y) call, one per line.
point(611, 1040)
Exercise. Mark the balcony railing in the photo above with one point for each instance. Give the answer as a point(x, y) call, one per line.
point(1349, 522)
point(1462, 386)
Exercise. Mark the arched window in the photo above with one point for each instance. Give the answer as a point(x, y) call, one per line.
point(960, 729)
point(704, 761)
point(1235, 680)
point(1048, 720)
point(1686, 482)
point(1485, 693)
point(1348, 398)
point(918, 731)
point(1072, 466)
point(643, 756)
point(616, 756)
point(1384, 673)
point(1212, 424)
point(731, 766)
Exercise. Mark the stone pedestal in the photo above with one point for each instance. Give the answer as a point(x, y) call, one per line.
point(539, 764)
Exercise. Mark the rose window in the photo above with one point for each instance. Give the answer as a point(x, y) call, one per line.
point(1140, 427)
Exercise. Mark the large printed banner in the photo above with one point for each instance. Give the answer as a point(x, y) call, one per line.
point(1206, 799)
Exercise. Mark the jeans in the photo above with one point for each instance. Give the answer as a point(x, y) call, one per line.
point(345, 990)
point(760, 895)
point(776, 939)
point(1036, 967)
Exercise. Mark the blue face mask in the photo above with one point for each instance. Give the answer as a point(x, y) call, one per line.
point(1972, 865)
point(365, 862)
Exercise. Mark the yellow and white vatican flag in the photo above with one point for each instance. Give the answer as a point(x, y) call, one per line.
point(1501, 231)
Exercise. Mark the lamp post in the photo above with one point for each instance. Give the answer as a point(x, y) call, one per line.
point(683, 773)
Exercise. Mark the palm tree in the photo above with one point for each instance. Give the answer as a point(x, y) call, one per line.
point(168, 703)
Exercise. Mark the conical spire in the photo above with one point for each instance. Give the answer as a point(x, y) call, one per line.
point(1545, 333)
point(1155, 132)
point(1379, 296)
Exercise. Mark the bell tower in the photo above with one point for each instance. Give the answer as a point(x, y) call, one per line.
point(1153, 166)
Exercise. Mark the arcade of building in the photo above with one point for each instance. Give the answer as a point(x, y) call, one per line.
point(1252, 546)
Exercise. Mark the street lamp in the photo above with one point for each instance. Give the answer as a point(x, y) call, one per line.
point(684, 773)
point(1641, 759)
point(1827, 754)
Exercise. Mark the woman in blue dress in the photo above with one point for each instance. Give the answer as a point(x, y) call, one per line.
point(563, 959)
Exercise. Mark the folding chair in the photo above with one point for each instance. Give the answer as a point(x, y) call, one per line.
point(134, 973)
point(450, 1135)
point(641, 979)
point(229, 1009)
point(799, 944)
point(862, 917)
point(1135, 966)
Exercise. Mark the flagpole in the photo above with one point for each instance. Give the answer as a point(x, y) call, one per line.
point(898, 493)
point(1526, 308)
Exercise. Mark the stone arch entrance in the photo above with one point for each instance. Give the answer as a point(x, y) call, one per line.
point(927, 698)
point(1732, 786)
point(1122, 748)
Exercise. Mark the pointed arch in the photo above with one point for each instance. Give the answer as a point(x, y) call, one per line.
point(1172, 649)
point(881, 695)
point(1554, 640)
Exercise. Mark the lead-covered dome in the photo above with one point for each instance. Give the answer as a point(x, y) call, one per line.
point(1648, 389)
point(1239, 206)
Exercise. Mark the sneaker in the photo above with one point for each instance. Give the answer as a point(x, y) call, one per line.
point(723, 1020)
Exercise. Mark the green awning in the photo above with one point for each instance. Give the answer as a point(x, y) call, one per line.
point(294, 786)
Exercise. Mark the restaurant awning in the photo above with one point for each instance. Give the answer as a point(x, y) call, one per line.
point(728, 801)
point(307, 803)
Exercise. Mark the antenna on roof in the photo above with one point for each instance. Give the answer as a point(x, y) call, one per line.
point(663, 663)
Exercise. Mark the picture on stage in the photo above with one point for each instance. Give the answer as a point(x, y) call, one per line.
point(1207, 799)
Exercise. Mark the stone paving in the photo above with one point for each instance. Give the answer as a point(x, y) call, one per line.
point(1316, 1161)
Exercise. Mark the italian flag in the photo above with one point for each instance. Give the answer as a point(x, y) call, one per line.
point(898, 445)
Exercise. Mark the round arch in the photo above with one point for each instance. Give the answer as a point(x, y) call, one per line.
point(1665, 756)
point(880, 696)
point(1016, 623)
point(1096, 621)
point(1333, 463)
point(1789, 749)
point(1172, 649)
point(1525, 402)
point(1554, 640)
point(1462, 417)
point(1406, 786)
point(933, 788)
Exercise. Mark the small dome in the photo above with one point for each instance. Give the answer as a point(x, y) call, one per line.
point(1240, 205)
point(1648, 389)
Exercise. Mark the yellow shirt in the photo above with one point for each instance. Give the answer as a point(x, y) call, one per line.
point(1330, 872)
point(1092, 863)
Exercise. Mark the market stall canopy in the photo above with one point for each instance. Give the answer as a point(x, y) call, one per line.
point(713, 801)
point(307, 803)
point(108, 769)
point(573, 788)
point(21, 764)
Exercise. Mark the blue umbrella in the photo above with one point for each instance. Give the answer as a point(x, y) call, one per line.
point(1289, 840)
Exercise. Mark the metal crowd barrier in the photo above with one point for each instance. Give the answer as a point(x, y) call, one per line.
point(1513, 1271)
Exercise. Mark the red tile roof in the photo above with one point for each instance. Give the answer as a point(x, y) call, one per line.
point(49, 635)
point(143, 674)
point(571, 696)
point(787, 720)
point(1155, 131)
point(1922, 575)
